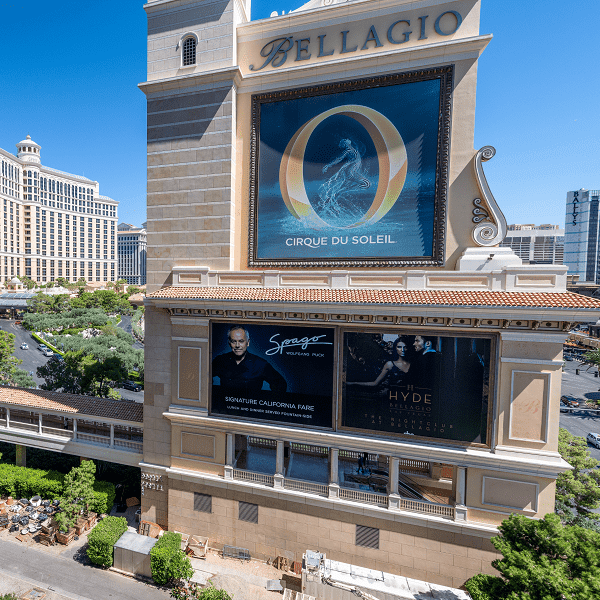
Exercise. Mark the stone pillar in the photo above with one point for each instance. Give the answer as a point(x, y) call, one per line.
point(8, 418)
point(40, 423)
point(334, 486)
point(394, 497)
point(461, 486)
point(21, 458)
point(229, 456)
point(74, 429)
point(435, 470)
point(112, 435)
point(279, 465)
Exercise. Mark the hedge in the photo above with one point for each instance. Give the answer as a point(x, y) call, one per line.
point(102, 539)
point(21, 482)
point(167, 560)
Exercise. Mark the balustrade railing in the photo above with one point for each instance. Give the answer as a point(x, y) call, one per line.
point(129, 445)
point(367, 497)
point(430, 508)
point(94, 439)
point(57, 432)
point(307, 487)
point(260, 478)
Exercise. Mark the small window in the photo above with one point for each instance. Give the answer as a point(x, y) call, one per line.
point(368, 537)
point(248, 512)
point(202, 502)
point(189, 51)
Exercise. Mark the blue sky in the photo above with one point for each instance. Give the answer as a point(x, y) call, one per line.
point(70, 71)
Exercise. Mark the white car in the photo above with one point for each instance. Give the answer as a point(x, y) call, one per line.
point(48, 352)
point(594, 439)
point(24, 346)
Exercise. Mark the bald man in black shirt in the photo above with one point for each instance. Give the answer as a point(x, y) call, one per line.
point(243, 371)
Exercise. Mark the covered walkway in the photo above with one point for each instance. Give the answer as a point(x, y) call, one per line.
point(86, 426)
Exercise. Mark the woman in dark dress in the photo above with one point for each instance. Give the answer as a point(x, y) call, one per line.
point(394, 371)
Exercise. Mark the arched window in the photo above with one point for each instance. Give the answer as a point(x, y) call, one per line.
point(189, 51)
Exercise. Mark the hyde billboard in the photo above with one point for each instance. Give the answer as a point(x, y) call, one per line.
point(351, 173)
point(434, 386)
point(280, 373)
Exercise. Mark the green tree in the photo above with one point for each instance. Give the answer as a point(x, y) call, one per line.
point(577, 490)
point(10, 373)
point(65, 375)
point(542, 560)
point(48, 303)
point(120, 285)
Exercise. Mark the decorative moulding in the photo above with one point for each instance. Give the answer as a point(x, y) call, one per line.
point(491, 225)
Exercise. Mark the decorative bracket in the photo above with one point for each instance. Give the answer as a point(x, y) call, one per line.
point(491, 224)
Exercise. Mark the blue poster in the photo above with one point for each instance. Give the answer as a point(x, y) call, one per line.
point(349, 176)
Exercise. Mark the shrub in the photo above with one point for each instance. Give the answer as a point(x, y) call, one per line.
point(168, 563)
point(22, 482)
point(104, 497)
point(484, 587)
point(102, 539)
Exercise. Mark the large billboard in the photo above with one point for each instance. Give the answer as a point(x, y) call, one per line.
point(421, 385)
point(273, 372)
point(351, 173)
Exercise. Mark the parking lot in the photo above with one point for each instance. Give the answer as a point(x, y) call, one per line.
point(33, 358)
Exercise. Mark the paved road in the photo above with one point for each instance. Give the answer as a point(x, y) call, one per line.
point(70, 578)
point(584, 387)
point(33, 358)
point(125, 325)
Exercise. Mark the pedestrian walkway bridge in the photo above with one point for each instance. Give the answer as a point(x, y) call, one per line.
point(86, 426)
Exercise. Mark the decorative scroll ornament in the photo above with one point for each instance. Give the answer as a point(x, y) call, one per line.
point(491, 228)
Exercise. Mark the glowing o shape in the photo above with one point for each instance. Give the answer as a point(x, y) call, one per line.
point(391, 155)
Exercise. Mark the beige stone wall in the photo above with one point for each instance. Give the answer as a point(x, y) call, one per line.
point(213, 24)
point(424, 553)
point(157, 386)
point(190, 183)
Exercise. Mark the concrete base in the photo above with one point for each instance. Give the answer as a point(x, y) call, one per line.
point(487, 259)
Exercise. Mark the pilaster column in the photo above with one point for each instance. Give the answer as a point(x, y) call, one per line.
point(40, 423)
point(461, 486)
point(229, 440)
point(394, 497)
point(279, 465)
point(334, 487)
point(112, 435)
point(21, 456)
point(8, 418)
point(74, 429)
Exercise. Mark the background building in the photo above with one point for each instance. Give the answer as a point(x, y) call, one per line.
point(536, 244)
point(131, 250)
point(55, 224)
point(582, 235)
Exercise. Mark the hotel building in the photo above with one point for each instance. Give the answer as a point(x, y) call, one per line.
point(339, 355)
point(582, 239)
point(55, 224)
point(536, 244)
point(131, 250)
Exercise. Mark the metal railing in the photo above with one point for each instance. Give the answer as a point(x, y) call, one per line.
point(260, 478)
point(367, 497)
point(306, 487)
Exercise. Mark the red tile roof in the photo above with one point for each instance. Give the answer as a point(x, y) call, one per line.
point(72, 403)
point(390, 297)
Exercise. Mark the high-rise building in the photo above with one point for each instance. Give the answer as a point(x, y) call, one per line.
point(536, 244)
point(131, 250)
point(55, 224)
point(582, 235)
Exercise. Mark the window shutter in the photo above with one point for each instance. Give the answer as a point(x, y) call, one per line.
point(248, 512)
point(367, 537)
point(202, 502)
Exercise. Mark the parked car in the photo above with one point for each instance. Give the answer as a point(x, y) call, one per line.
point(42, 347)
point(594, 439)
point(57, 357)
point(570, 402)
point(47, 352)
point(24, 346)
point(132, 385)
point(564, 408)
point(568, 357)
